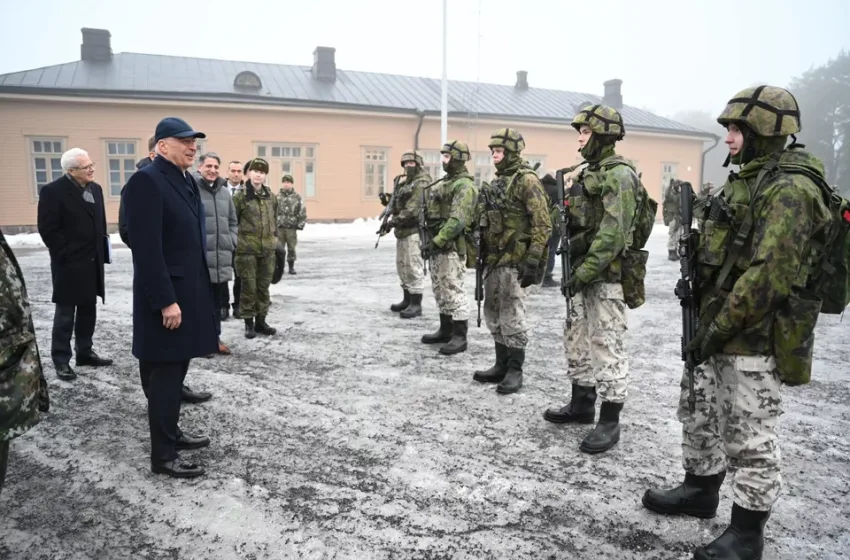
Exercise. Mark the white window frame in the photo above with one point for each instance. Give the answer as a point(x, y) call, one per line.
point(285, 163)
point(124, 173)
point(433, 161)
point(482, 173)
point(669, 170)
point(534, 159)
point(52, 160)
point(364, 158)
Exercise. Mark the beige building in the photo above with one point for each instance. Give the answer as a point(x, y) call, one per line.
point(339, 133)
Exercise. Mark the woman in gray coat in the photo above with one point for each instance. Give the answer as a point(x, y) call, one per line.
point(221, 226)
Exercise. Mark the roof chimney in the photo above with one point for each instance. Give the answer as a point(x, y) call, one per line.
point(96, 45)
point(521, 80)
point(613, 97)
point(324, 64)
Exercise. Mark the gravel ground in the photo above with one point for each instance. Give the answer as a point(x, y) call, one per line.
point(345, 437)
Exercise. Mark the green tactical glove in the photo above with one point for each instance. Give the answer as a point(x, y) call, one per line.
point(706, 343)
point(431, 249)
point(575, 285)
point(384, 197)
point(529, 271)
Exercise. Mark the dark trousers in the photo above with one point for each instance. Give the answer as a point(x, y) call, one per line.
point(4, 461)
point(162, 383)
point(237, 283)
point(221, 295)
point(64, 325)
point(554, 241)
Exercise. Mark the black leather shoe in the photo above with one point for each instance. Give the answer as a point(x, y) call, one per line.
point(191, 442)
point(190, 396)
point(65, 373)
point(92, 359)
point(178, 468)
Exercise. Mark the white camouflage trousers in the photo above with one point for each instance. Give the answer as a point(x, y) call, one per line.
point(673, 233)
point(504, 307)
point(408, 264)
point(596, 352)
point(737, 414)
point(448, 275)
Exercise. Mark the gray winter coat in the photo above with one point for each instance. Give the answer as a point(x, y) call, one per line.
point(221, 227)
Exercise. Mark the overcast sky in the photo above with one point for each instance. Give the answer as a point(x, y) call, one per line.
point(671, 55)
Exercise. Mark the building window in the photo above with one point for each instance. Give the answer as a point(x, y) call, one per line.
point(46, 154)
point(668, 171)
point(121, 161)
point(374, 171)
point(433, 164)
point(483, 168)
point(298, 160)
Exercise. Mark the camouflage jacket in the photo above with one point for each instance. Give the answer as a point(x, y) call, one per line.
point(257, 215)
point(291, 212)
point(406, 203)
point(451, 211)
point(515, 217)
point(603, 204)
point(671, 205)
point(773, 264)
point(23, 389)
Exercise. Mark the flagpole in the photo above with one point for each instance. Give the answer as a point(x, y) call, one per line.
point(444, 108)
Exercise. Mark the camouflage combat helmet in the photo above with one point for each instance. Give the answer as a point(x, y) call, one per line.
point(457, 149)
point(602, 120)
point(412, 156)
point(766, 110)
point(508, 138)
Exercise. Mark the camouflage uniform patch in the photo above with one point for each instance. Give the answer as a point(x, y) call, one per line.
point(738, 403)
point(288, 240)
point(409, 264)
point(291, 217)
point(596, 353)
point(504, 307)
point(448, 280)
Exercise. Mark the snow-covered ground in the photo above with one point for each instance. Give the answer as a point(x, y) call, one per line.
point(344, 437)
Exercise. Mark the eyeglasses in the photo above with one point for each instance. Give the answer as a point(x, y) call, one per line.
point(89, 167)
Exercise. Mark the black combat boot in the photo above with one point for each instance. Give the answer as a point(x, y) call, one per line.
point(224, 313)
point(496, 373)
point(236, 311)
point(607, 431)
point(742, 540)
point(513, 378)
point(263, 327)
point(414, 309)
point(249, 328)
point(672, 255)
point(457, 343)
point(697, 496)
point(402, 305)
point(549, 282)
point(443, 334)
point(580, 410)
point(292, 267)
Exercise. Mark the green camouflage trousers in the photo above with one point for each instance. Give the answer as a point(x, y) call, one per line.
point(737, 414)
point(409, 265)
point(448, 275)
point(288, 238)
point(504, 307)
point(675, 230)
point(255, 271)
point(596, 351)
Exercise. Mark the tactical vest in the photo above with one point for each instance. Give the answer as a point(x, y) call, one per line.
point(439, 209)
point(404, 205)
point(506, 227)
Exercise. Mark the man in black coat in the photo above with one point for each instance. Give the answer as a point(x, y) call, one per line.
point(72, 224)
point(173, 308)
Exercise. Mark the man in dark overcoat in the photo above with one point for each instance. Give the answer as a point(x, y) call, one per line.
point(72, 224)
point(174, 313)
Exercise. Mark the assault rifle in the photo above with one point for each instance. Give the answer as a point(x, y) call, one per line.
point(564, 245)
point(424, 234)
point(479, 250)
point(385, 215)
point(686, 288)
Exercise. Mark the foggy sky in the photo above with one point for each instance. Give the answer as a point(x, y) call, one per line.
point(671, 55)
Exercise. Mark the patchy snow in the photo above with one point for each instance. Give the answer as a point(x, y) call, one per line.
point(345, 437)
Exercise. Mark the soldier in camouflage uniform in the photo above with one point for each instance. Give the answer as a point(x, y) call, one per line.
point(603, 201)
point(701, 201)
point(515, 229)
point(257, 211)
point(23, 389)
point(671, 211)
point(291, 218)
point(404, 207)
point(757, 329)
point(450, 214)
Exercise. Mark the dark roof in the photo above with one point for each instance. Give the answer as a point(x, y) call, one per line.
point(172, 77)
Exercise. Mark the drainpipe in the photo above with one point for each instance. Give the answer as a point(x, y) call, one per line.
point(421, 114)
point(702, 162)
